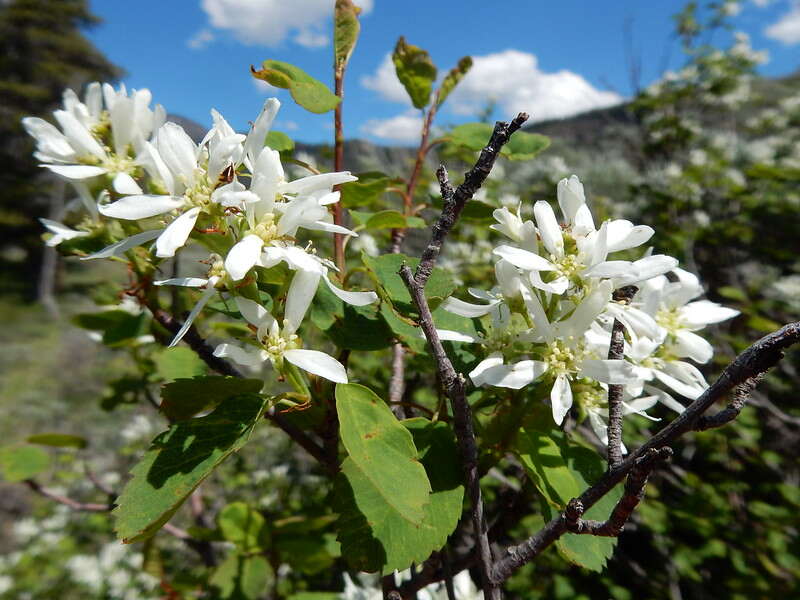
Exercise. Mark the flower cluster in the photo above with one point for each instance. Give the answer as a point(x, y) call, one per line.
point(551, 313)
point(143, 181)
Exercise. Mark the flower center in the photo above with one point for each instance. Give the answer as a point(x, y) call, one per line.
point(563, 357)
point(267, 228)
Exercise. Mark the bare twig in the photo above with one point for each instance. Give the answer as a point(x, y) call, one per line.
point(453, 382)
point(454, 201)
point(738, 399)
point(750, 364)
point(338, 165)
point(399, 235)
point(634, 492)
point(616, 351)
point(73, 504)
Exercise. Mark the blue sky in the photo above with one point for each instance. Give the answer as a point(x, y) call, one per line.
point(549, 58)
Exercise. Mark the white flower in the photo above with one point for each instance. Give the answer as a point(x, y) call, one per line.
point(579, 251)
point(79, 151)
point(282, 343)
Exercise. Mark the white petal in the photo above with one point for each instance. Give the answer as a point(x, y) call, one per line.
point(204, 298)
point(586, 312)
point(353, 298)
point(623, 235)
point(258, 133)
point(704, 312)
point(684, 389)
point(317, 363)
point(253, 312)
point(298, 299)
point(549, 228)
point(140, 207)
point(570, 197)
point(560, 398)
point(49, 140)
point(558, 286)
point(693, 346)
point(612, 268)
point(655, 265)
point(665, 398)
point(609, 371)
point(447, 335)
point(125, 184)
point(584, 224)
point(243, 256)
point(177, 150)
point(465, 309)
point(77, 134)
point(119, 248)
point(515, 376)
point(248, 358)
point(176, 233)
point(60, 232)
point(76, 171)
point(493, 360)
point(328, 227)
point(184, 281)
point(324, 181)
point(527, 261)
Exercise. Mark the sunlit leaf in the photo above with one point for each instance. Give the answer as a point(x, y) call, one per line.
point(311, 94)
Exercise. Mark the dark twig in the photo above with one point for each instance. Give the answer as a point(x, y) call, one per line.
point(453, 382)
point(454, 201)
point(634, 492)
point(615, 351)
point(750, 364)
point(197, 343)
point(738, 399)
point(455, 389)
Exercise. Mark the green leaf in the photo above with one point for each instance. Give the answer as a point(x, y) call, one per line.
point(562, 470)
point(345, 31)
point(524, 145)
point(178, 461)
point(349, 327)
point(242, 578)
point(521, 146)
point(244, 526)
point(279, 141)
point(178, 363)
point(369, 187)
point(385, 271)
point(118, 326)
point(309, 554)
point(315, 596)
point(184, 398)
point(58, 440)
point(385, 219)
point(415, 70)
point(19, 463)
point(311, 94)
point(453, 78)
point(382, 490)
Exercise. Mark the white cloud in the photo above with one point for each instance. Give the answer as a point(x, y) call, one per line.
point(403, 128)
point(511, 79)
point(201, 39)
point(385, 82)
point(787, 28)
point(288, 125)
point(270, 22)
point(514, 81)
point(265, 88)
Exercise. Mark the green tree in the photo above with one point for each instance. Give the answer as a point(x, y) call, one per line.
point(42, 51)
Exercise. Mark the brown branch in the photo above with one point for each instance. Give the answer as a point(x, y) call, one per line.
point(399, 235)
point(738, 399)
point(73, 504)
point(338, 165)
point(634, 492)
point(397, 383)
point(749, 365)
